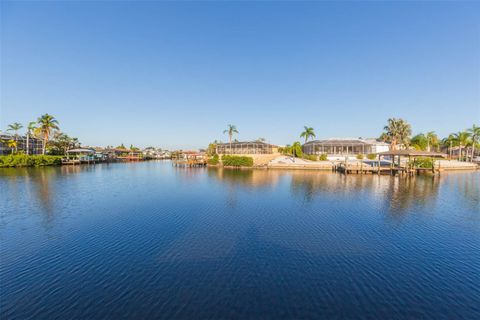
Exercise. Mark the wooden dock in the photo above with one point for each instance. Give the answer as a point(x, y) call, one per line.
point(130, 158)
point(78, 161)
point(189, 163)
point(364, 168)
point(70, 162)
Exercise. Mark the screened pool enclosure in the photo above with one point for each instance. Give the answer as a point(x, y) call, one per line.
point(343, 147)
point(255, 147)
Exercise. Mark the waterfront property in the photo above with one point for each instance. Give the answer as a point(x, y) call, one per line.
point(409, 164)
point(131, 156)
point(190, 159)
point(34, 144)
point(344, 147)
point(79, 155)
point(154, 153)
point(246, 147)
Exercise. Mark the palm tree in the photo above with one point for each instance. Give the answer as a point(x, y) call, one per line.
point(419, 142)
point(75, 143)
point(461, 139)
point(30, 129)
point(12, 144)
point(432, 139)
point(475, 134)
point(15, 127)
point(297, 149)
point(47, 124)
point(448, 142)
point(398, 131)
point(231, 130)
point(384, 137)
point(308, 133)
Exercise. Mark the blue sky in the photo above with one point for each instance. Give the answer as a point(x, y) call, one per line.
point(173, 74)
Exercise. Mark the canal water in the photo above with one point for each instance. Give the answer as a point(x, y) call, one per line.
point(147, 240)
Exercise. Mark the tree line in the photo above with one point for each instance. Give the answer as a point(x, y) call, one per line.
point(398, 133)
point(47, 129)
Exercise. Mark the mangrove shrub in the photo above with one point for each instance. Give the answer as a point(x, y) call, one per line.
point(23, 160)
point(323, 157)
point(423, 163)
point(214, 160)
point(237, 161)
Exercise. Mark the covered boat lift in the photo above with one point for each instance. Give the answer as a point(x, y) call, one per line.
point(80, 155)
point(411, 155)
point(395, 165)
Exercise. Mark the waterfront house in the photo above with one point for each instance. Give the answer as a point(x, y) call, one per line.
point(153, 153)
point(345, 147)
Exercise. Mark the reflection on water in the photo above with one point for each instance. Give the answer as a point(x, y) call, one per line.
point(148, 240)
point(398, 194)
point(246, 177)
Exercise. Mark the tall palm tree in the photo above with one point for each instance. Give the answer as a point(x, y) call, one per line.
point(15, 127)
point(308, 133)
point(475, 134)
point(398, 131)
point(461, 140)
point(47, 123)
point(432, 139)
point(449, 142)
point(231, 130)
point(30, 129)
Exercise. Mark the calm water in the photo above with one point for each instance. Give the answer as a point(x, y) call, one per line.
point(148, 240)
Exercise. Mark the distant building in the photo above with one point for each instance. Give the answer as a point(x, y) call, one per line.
point(252, 147)
point(154, 153)
point(35, 144)
point(345, 147)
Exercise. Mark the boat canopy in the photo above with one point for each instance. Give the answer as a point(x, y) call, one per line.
point(413, 153)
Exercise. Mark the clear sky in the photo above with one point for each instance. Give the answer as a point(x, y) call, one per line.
point(173, 74)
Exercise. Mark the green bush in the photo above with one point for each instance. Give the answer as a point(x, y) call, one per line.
point(213, 160)
point(371, 156)
point(360, 156)
point(323, 157)
point(309, 157)
point(237, 161)
point(423, 163)
point(23, 160)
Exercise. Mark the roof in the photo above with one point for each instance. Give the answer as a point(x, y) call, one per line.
point(116, 150)
point(376, 142)
point(240, 143)
point(340, 141)
point(80, 150)
point(413, 153)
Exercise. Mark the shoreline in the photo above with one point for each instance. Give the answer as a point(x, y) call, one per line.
point(323, 166)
